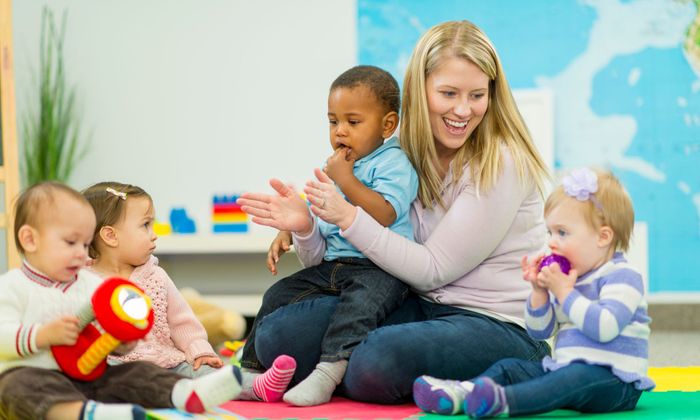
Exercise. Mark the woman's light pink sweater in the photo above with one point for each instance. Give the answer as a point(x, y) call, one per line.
point(466, 256)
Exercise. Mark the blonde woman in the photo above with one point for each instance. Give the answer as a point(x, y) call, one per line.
point(479, 209)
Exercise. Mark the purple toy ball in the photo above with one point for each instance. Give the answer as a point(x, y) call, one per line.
point(564, 264)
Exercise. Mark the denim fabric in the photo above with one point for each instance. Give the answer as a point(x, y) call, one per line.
point(578, 386)
point(366, 295)
point(419, 338)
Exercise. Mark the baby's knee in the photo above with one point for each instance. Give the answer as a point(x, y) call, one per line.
point(22, 379)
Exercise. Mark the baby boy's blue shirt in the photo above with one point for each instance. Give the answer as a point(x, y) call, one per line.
point(387, 171)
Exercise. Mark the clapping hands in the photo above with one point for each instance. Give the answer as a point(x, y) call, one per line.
point(327, 202)
point(285, 210)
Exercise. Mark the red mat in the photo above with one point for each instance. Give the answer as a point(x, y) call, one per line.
point(338, 409)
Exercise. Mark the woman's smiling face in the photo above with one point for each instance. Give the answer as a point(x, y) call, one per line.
point(458, 97)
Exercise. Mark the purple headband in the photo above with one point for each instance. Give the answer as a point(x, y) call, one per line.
point(581, 184)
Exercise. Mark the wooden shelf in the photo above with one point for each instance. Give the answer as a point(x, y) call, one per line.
point(213, 244)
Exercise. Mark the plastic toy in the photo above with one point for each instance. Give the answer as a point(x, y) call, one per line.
point(124, 312)
point(180, 222)
point(233, 350)
point(162, 229)
point(227, 216)
point(564, 264)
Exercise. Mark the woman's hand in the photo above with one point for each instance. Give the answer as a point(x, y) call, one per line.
point(278, 247)
point(327, 203)
point(284, 211)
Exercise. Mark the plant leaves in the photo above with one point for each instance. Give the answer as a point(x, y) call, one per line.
point(52, 134)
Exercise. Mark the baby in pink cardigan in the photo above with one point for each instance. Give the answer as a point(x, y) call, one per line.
point(123, 245)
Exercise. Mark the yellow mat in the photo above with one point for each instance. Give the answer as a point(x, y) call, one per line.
point(672, 378)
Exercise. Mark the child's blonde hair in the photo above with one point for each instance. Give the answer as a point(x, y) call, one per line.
point(35, 200)
point(502, 122)
point(108, 199)
point(609, 206)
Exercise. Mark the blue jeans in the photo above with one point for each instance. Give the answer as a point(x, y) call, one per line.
point(419, 338)
point(366, 295)
point(578, 386)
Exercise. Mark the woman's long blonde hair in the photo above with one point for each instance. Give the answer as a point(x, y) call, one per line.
point(502, 121)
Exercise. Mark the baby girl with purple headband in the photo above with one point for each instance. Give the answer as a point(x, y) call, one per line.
point(597, 310)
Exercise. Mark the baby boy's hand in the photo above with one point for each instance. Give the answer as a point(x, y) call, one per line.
point(281, 244)
point(59, 332)
point(339, 166)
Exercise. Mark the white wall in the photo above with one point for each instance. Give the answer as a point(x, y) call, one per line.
point(191, 98)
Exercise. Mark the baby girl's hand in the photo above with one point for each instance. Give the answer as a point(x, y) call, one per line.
point(539, 295)
point(212, 361)
point(59, 332)
point(531, 269)
point(339, 166)
point(556, 281)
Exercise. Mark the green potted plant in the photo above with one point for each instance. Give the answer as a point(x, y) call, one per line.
point(51, 129)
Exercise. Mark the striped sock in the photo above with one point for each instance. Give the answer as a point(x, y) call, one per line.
point(271, 385)
point(93, 410)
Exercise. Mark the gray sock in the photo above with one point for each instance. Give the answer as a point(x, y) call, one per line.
point(318, 387)
point(247, 393)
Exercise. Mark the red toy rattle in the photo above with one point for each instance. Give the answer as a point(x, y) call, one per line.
point(124, 312)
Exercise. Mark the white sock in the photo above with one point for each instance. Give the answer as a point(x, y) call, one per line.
point(93, 410)
point(201, 394)
point(318, 387)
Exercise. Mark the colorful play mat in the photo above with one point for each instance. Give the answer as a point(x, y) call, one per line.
point(676, 396)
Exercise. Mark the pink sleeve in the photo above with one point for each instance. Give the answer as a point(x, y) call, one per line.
point(186, 331)
point(467, 234)
point(310, 248)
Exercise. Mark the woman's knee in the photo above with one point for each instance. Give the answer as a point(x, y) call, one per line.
point(377, 374)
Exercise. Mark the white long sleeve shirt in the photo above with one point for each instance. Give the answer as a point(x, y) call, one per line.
point(28, 299)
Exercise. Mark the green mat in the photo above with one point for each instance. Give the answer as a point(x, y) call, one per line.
point(652, 405)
